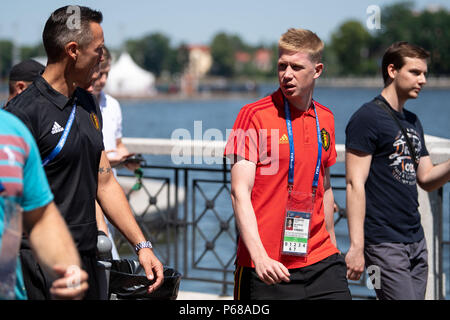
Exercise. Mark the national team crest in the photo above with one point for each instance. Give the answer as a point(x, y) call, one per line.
point(94, 120)
point(325, 139)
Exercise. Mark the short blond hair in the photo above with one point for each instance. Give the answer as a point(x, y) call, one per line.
point(302, 40)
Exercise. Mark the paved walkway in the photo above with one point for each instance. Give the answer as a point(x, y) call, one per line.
point(190, 295)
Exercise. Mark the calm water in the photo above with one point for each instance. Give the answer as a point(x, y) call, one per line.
point(159, 119)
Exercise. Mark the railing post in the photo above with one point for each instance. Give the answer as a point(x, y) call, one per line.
point(436, 199)
point(185, 223)
point(175, 218)
point(430, 208)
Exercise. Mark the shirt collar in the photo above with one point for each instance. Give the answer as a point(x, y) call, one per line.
point(398, 114)
point(51, 94)
point(279, 102)
point(102, 100)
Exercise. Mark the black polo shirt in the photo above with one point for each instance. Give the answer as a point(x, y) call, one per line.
point(73, 173)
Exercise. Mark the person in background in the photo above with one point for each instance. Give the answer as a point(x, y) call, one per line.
point(115, 150)
point(386, 158)
point(66, 124)
point(112, 116)
point(281, 149)
point(22, 75)
point(23, 181)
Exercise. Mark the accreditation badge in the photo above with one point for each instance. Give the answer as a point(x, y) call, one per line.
point(297, 220)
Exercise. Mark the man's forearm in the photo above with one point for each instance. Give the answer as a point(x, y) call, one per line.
point(114, 203)
point(247, 224)
point(435, 177)
point(328, 204)
point(101, 223)
point(356, 211)
point(50, 238)
point(111, 198)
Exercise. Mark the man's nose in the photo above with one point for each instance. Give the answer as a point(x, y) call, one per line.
point(422, 79)
point(288, 73)
point(102, 57)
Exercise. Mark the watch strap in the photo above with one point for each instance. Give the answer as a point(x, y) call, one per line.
point(143, 244)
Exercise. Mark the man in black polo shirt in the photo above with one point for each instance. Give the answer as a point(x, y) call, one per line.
point(66, 124)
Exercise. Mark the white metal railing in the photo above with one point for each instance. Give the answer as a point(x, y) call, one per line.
point(438, 148)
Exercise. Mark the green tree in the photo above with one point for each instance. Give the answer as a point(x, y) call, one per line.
point(351, 45)
point(330, 61)
point(151, 52)
point(154, 53)
point(27, 52)
point(428, 29)
point(6, 48)
point(434, 35)
point(398, 23)
point(274, 48)
point(223, 50)
point(178, 59)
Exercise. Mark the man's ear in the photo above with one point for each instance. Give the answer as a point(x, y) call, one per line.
point(318, 70)
point(20, 86)
point(392, 71)
point(71, 50)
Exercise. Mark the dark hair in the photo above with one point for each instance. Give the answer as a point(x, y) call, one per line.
point(395, 55)
point(66, 24)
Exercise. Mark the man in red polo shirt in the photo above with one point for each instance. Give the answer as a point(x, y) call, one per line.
point(281, 149)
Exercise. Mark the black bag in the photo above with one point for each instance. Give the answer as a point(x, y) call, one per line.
point(128, 281)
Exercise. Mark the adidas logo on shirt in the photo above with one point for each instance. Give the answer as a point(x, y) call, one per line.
point(56, 128)
point(284, 139)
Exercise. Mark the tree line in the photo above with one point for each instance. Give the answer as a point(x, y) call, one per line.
point(352, 50)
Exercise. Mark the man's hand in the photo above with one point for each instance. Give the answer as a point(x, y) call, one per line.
point(116, 157)
point(271, 271)
point(152, 266)
point(71, 283)
point(355, 263)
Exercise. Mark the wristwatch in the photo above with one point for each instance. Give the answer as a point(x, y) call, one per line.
point(143, 244)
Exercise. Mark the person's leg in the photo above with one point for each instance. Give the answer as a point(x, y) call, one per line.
point(393, 262)
point(241, 283)
point(89, 264)
point(419, 268)
point(37, 284)
point(327, 279)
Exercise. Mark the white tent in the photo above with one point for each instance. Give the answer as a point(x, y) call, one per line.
point(127, 79)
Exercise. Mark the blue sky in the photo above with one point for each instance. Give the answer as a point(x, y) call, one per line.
point(195, 21)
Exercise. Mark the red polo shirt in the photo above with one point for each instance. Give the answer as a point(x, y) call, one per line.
point(260, 135)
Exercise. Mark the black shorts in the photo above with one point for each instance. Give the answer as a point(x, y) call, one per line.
point(324, 280)
point(38, 282)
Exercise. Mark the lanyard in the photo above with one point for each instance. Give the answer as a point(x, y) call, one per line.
point(292, 150)
point(62, 140)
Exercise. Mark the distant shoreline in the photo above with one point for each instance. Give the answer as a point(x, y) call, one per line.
point(375, 82)
point(342, 82)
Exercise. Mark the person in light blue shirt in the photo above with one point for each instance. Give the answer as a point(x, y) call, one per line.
point(23, 182)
